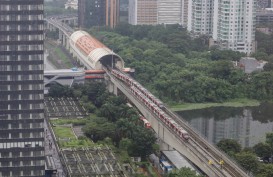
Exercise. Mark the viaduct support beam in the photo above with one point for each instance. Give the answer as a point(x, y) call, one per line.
point(194, 153)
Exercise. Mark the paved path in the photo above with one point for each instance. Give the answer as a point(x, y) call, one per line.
point(49, 139)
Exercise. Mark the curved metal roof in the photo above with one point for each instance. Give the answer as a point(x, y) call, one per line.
point(94, 51)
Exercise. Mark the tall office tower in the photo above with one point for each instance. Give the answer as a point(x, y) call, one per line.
point(234, 24)
point(91, 13)
point(98, 13)
point(200, 16)
point(123, 11)
point(151, 12)
point(172, 12)
point(21, 88)
point(112, 13)
point(142, 12)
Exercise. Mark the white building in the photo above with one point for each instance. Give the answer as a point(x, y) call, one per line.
point(172, 12)
point(152, 12)
point(234, 24)
point(142, 12)
point(231, 23)
point(73, 4)
point(200, 13)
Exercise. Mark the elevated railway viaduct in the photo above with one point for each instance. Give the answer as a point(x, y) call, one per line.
point(94, 55)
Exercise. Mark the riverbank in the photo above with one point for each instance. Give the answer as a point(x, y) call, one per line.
point(232, 103)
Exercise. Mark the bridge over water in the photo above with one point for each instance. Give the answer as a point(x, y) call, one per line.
point(94, 55)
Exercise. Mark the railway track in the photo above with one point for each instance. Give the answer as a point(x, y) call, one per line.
point(216, 154)
point(208, 154)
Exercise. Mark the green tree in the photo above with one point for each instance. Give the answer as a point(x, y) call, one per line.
point(143, 140)
point(268, 66)
point(265, 170)
point(269, 141)
point(183, 172)
point(261, 86)
point(125, 143)
point(229, 146)
point(262, 150)
point(98, 129)
point(57, 90)
point(248, 161)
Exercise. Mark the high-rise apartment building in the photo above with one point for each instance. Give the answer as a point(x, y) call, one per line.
point(152, 12)
point(172, 12)
point(234, 25)
point(21, 88)
point(142, 12)
point(200, 15)
point(230, 23)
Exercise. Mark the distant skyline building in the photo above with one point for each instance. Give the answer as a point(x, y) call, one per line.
point(200, 16)
point(234, 25)
point(98, 13)
point(152, 12)
point(73, 4)
point(230, 23)
point(172, 12)
point(142, 12)
point(21, 88)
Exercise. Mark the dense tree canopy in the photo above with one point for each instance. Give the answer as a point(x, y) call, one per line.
point(248, 161)
point(229, 146)
point(179, 68)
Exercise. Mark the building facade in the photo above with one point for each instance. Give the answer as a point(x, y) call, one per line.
point(142, 12)
point(172, 12)
point(98, 13)
point(21, 88)
point(91, 13)
point(234, 25)
point(264, 16)
point(73, 4)
point(200, 15)
point(152, 12)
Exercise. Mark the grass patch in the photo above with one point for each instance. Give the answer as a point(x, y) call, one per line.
point(68, 121)
point(65, 135)
point(231, 103)
point(64, 132)
point(63, 57)
point(76, 143)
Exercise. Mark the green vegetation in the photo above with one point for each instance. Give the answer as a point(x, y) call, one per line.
point(248, 157)
point(231, 103)
point(76, 143)
point(64, 132)
point(180, 69)
point(68, 121)
point(65, 135)
point(184, 172)
point(114, 123)
point(63, 57)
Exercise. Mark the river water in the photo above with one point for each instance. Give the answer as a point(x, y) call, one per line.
point(247, 125)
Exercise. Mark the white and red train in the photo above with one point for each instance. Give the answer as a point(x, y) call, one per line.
point(145, 122)
point(154, 104)
point(131, 82)
point(183, 134)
